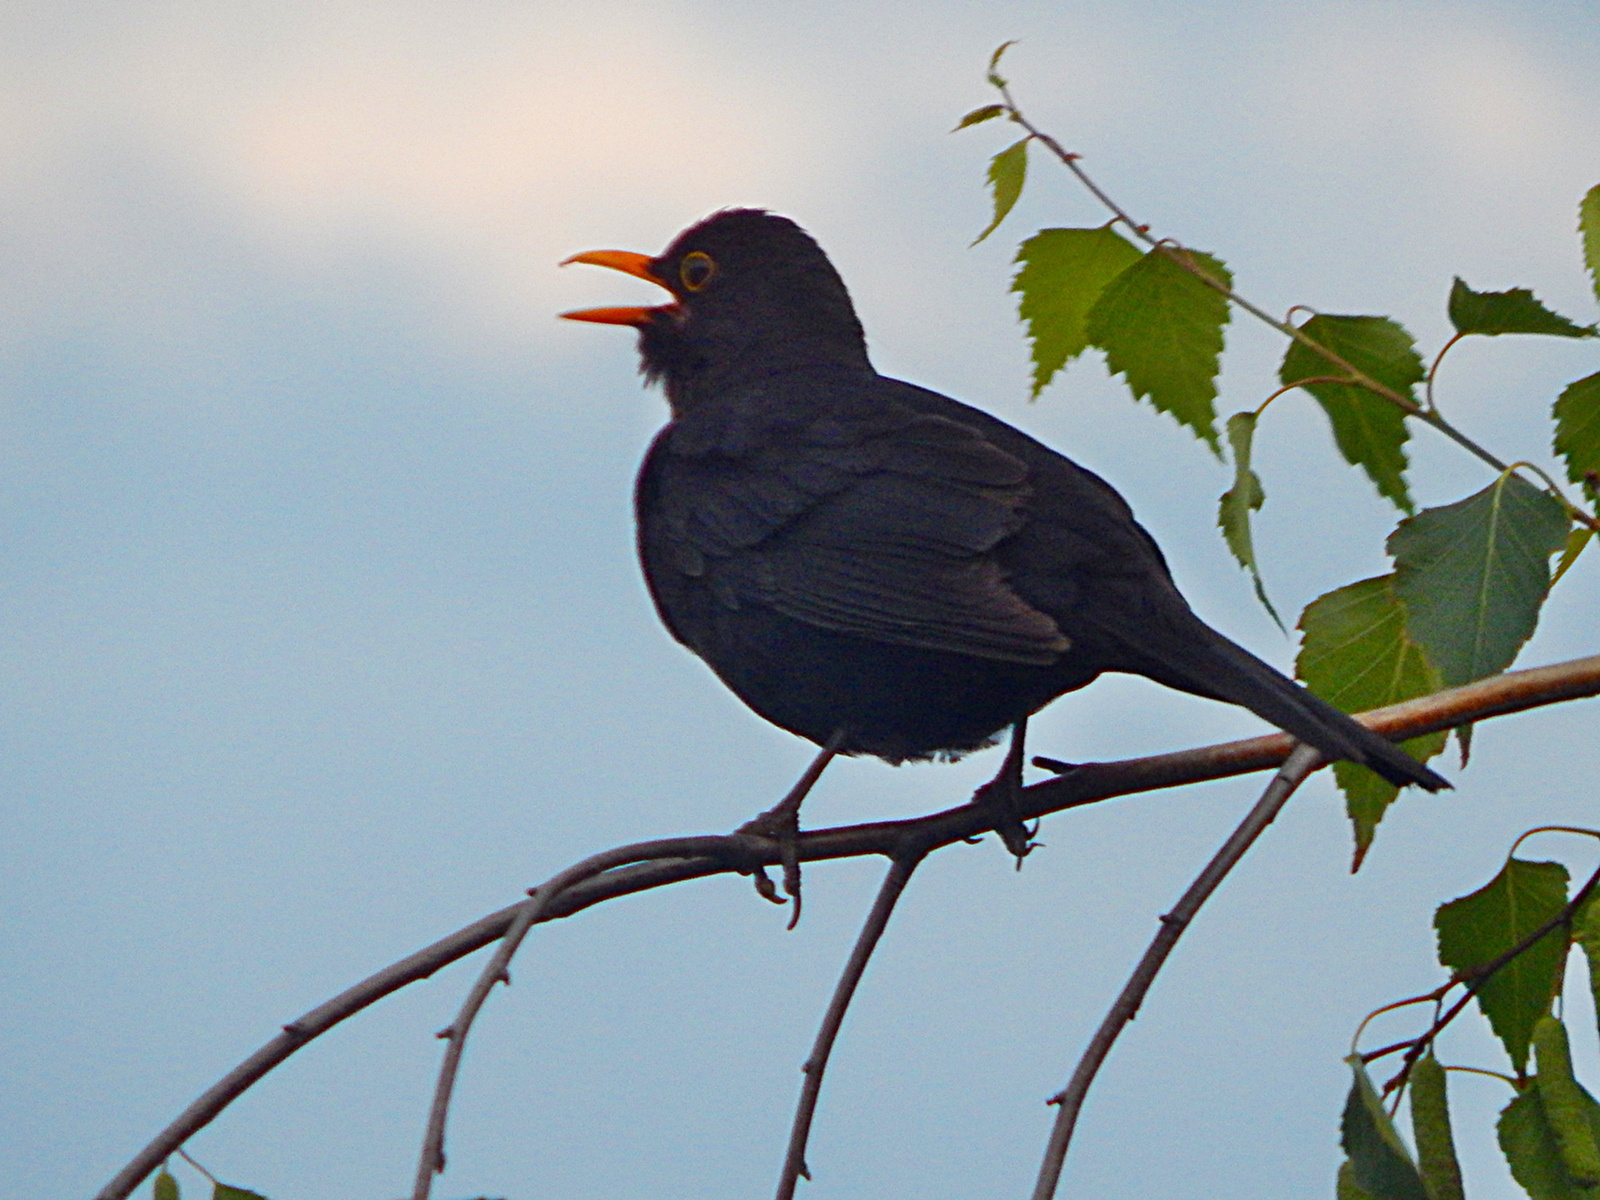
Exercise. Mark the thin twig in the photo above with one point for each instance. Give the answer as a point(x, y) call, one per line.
point(1301, 762)
point(794, 1162)
point(675, 860)
point(498, 970)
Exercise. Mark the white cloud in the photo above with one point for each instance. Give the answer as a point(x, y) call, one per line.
point(480, 150)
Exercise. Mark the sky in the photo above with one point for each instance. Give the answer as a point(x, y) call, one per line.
point(322, 634)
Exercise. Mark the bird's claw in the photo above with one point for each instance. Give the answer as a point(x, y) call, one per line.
point(765, 888)
point(1001, 802)
point(781, 824)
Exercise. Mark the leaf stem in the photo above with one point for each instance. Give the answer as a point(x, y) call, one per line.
point(1434, 369)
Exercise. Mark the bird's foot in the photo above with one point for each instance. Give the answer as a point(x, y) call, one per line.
point(781, 824)
point(1002, 795)
point(1002, 801)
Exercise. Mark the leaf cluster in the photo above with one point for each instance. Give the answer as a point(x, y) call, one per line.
point(1469, 577)
point(1506, 946)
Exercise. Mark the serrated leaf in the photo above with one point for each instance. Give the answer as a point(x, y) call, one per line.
point(1370, 430)
point(1007, 171)
point(1379, 1162)
point(1514, 311)
point(1239, 501)
point(1430, 1129)
point(979, 115)
point(1161, 328)
point(1566, 1104)
point(1533, 1153)
point(1356, 655)
point(1577, 417)
point(994, 63)
point(165, 1186)
point(1580, 537)
point(1477, 928)
point(1473, 575)
point(1063, 273)
point(1589, 226)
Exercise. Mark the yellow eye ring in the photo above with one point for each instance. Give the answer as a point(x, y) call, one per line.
point(696, 270)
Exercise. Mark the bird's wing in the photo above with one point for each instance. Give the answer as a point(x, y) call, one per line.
point(880, 527)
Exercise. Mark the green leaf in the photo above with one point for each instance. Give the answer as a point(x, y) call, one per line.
point(1345, 1186)
point(1586, 932)
point(979, 115)
point(1006, 174)
point(1370, 430)
point(1576, 541)
point(1577, 417)
point(1161, 327)
point(1589, 226)
point(1473, 574)
point(1356, 655)
point(1430, 1128)
point(1515, 311)
point(225, 1191)
point(994, 63)
point(1533, 1153)
point(165, 1186)
point(1379, 1162)
point(1566, 1104)
point(1063, 273)
point(1476, 929)
point(1239, 501)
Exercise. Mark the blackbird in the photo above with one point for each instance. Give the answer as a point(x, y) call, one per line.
point(875, 566)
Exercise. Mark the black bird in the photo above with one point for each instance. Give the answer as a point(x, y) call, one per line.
point(879, 568)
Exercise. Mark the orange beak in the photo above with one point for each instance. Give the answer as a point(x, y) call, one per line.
point(629, 263)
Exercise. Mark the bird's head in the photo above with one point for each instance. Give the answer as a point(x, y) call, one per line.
point(752, 294)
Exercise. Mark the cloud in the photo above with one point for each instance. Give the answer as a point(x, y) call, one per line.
point(479, 149)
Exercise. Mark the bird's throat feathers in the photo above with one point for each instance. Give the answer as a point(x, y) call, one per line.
point(693, 362)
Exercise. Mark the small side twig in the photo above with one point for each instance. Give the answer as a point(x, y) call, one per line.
point(498, 970)
point(794, 1163)
point(1301, 762)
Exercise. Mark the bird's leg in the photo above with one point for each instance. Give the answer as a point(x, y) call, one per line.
point(1003, 794)
point(781, 823)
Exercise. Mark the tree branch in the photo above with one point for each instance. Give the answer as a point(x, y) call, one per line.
point(794, 1163)
point(1069, 1102)
point(659, 863)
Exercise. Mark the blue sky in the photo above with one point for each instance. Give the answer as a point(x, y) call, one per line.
point(323, 634)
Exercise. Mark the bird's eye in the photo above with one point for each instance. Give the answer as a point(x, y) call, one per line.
point(696, 270)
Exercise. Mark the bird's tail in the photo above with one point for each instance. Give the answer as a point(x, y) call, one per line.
point(1211, 665)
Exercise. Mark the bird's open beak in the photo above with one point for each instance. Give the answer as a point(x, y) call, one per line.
point(629, 263)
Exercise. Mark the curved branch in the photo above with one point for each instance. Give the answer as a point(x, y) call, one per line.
point(674, 860)
point(1069, 1102)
